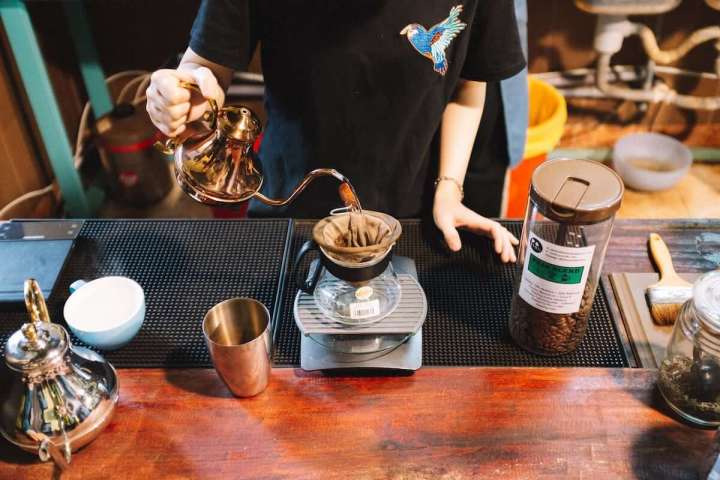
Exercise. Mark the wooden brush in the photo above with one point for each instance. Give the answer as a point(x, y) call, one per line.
point(666, 296)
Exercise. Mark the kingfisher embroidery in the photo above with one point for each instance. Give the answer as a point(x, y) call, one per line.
point(433, 42)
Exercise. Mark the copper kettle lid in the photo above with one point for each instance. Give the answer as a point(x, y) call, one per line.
point(239, 123)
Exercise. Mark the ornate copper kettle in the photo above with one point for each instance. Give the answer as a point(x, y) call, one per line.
point(217, 166)
point(62, 396)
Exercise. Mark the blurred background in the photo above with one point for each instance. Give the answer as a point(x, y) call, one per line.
point(60, 155)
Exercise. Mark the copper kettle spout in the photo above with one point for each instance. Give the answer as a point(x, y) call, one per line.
point(320, 172)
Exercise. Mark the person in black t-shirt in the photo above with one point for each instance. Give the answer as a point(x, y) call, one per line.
point(388, 92)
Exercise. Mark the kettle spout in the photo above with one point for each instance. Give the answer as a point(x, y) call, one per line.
point(319, 172)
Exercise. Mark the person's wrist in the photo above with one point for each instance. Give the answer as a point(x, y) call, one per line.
point(448, 191)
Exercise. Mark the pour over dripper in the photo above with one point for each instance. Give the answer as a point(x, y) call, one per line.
point(352, 285)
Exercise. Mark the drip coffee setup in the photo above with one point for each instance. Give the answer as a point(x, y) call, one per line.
point(359, 278)
point(357, 307)
point(356, 301)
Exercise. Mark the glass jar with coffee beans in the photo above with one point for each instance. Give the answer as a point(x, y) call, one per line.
point(689, 376)
point(567, 227)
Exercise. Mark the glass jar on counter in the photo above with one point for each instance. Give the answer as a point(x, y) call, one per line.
point(689, 377)
point(567, 227)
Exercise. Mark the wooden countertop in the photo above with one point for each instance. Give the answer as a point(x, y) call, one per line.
point(695, 196)
point(444, 423)
point(439, 423)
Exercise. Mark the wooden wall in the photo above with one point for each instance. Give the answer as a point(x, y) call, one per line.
point(128, 34)
point(23, 167)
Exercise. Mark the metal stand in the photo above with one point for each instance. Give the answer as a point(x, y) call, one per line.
point(407, 319)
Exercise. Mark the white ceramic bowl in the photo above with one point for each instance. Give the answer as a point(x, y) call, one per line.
point(651, 161)
point(105, 313)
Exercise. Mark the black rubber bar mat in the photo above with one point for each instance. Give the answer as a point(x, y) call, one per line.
point(468, 306)
point(184, 266)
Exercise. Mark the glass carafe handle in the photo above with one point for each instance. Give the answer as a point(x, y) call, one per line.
point(210, 116)
point(307, 282)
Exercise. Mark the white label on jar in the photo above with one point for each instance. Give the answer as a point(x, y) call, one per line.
point(553, 278)
point(369, 309)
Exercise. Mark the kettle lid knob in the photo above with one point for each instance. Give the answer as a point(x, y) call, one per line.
point(240, 123)
point(38, 343)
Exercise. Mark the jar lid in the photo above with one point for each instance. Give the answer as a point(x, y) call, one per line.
point(706, 300)
point(35, 346)
point(576, 191)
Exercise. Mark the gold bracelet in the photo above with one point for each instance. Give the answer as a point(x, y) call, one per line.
point(457, 183)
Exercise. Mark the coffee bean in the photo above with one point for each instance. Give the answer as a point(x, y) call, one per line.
point(549, 333)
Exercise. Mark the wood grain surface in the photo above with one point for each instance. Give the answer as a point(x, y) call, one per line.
point(440, 423)
point(446, 423)
point(697, 195)
point(627, 251)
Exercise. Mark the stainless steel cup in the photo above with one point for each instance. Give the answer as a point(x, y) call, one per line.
point(237, 335)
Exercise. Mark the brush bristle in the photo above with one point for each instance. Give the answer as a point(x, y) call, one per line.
point(665, 313)
point(659, 295)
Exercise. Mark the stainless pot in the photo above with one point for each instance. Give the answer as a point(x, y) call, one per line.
point(61, 396)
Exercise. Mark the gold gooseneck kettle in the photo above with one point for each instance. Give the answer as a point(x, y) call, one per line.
point(217, 165)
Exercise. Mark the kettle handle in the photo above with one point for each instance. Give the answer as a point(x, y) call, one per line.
point(62, 456)
point(210, 116)
point(35, 302)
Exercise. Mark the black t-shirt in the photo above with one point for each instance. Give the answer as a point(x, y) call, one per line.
point(359, 86)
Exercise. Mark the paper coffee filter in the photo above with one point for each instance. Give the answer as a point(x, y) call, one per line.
point(357, 237)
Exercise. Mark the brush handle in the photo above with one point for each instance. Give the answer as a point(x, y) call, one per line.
point(661, 255)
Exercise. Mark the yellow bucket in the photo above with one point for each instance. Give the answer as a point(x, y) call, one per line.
point(546, 117)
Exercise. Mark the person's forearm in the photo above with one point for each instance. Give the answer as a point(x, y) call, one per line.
point(457, 136)
point(192, 60)
point(460, 123)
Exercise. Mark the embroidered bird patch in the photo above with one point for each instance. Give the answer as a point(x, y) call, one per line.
point(433, 42)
